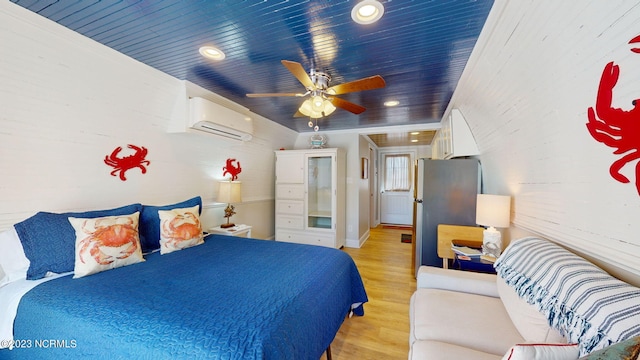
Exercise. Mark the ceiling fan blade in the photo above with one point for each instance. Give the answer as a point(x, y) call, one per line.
point(298, 71)
point(346, 105)
point(298, 114)
point(370, 83)
point(274, 94)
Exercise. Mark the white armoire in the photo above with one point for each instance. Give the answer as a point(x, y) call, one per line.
point(310, 196)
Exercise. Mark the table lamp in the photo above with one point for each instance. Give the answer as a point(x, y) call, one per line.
point(229, 192)
point(492, 211)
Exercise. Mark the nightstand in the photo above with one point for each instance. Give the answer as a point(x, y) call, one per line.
point(240, 230)
point(466, 263)
point(470, 236)
point(474, 264)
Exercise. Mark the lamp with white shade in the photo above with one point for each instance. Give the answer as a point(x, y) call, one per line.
point(229, 192)
point(492, 211)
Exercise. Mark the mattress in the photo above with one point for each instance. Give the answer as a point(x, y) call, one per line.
point(230, 298)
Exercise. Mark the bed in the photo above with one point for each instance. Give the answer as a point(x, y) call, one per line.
point(227, 298)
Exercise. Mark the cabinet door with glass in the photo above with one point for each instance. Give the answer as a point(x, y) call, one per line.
point(321, 191)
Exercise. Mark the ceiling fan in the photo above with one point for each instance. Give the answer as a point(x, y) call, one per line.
point(322, 101)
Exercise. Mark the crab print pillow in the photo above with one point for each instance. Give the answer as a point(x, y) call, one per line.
point(106, 243)
point(179, 229)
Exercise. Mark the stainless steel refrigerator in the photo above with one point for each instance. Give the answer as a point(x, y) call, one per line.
point(445, 194)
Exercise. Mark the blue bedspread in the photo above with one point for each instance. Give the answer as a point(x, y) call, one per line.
point(230, 298)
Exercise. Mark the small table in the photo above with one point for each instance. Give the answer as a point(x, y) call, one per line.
point(240, 230)
point(471, 263)
point(475, 264)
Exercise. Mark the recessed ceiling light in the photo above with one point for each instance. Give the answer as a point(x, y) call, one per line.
point(414, 140)
point(391, 103)
point(212, 53)
point(415, 133)
point(367, 12)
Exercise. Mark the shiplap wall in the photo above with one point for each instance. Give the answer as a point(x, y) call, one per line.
point(67, 101)
point(525, 95)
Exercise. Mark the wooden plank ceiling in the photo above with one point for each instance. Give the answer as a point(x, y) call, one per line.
point(413, 138)
point(420, 48)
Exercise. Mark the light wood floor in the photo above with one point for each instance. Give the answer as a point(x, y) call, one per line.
point(383, 332)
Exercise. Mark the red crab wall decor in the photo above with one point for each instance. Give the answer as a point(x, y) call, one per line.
point(614, 127)
point(231, 169)
point(122, 164)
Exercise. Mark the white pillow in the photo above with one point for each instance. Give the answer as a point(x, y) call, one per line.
point(13, 262)
point(542, 352)
point(106, 243)
point(179, 229)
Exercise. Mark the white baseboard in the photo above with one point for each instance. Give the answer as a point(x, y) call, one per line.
point(352, 243)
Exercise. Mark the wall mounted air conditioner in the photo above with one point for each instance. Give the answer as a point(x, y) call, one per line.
point(209, 117)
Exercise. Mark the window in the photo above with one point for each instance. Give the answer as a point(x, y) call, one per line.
point(397, 172)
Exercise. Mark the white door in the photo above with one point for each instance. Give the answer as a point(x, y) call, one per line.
point(397, 207)
point(396, 198)
point(290, 168)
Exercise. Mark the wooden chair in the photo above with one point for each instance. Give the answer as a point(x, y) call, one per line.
point(464, 235)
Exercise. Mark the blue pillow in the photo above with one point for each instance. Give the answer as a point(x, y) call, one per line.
point(149, 226)
point(49, 240)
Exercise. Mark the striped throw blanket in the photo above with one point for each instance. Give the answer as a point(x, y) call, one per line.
point(587, 305)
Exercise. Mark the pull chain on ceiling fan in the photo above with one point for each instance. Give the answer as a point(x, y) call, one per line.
point(322, 101)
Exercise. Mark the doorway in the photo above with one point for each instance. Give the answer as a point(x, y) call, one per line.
point(396, 183)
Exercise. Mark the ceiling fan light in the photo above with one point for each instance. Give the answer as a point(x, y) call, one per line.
point(367, 12)
point(329, 108)
point(316, 114)
point(305, 108)
point(317, 103)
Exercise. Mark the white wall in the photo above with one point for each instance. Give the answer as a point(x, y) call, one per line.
point(525, 95)
point(66, 102)
point(364, 198)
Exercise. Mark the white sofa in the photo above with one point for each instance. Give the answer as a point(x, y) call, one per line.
point(465, 315)
point(462, 315)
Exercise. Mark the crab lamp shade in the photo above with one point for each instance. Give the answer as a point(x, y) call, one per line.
point(492, 211)
point(229, 192)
